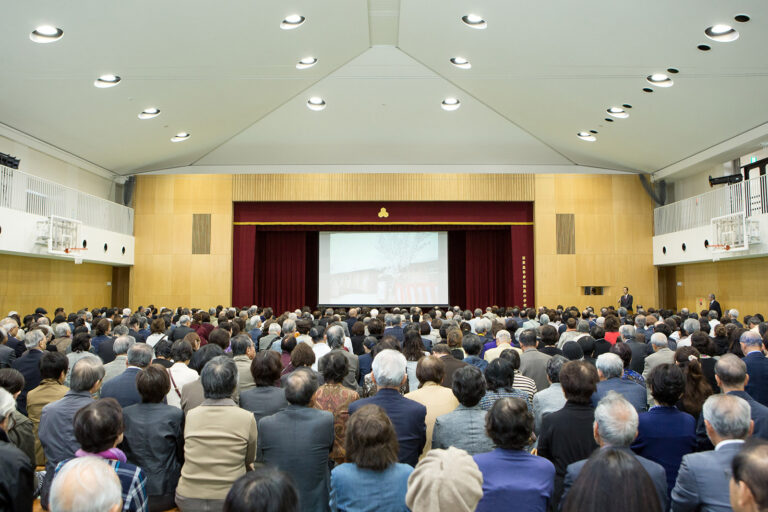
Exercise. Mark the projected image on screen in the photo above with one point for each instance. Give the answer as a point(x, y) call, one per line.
point(383, 268)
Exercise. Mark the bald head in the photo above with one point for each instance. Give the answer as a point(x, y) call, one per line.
point(86, 484)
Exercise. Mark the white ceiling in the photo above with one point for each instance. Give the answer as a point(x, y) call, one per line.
point(225, 72)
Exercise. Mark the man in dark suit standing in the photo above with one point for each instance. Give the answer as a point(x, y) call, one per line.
point(299, 440)
point(757, 366)
point(715, 306)
point(406, 415)
point(616, 425)
point(29, 366)
point(626, 300)
point(123, 387)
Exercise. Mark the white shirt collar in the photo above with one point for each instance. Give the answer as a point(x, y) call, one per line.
point(727, 442)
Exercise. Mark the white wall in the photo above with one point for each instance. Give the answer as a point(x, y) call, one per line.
point(698, 183)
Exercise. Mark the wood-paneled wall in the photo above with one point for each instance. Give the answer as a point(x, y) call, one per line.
point(383, 187)
point(27, 283)
point(614, 226)
point(166, 273)
point(739, 284)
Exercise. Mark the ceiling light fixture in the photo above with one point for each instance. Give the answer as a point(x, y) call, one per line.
point(721, 33)
point(450, 104)
point(306, 62)
point(180, 137)
point(292, 21)
point(105, 81)
point(461, 62)
point(660, 80)
point(474, 21)
point(149, 113)
point(316, 103)
point(618, 112)
point(46, 34)
point(587, 136)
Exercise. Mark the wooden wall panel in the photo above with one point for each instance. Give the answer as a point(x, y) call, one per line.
point(201, 233)
point(565, 233)
point(27, 283)
point(383, 187)
point(613, 227)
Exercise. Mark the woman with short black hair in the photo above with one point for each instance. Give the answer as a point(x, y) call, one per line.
point(335, 398)
point(264, 490)
point(265, 398)
point(500, 376)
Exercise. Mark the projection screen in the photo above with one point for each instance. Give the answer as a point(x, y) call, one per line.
point(383, 268)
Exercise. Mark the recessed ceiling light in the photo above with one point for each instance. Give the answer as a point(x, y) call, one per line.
point(180, 137)
point(587, 136)
point(149, 113)
point(721, 33)
point(450, 104)
point(306, 62)
point(741, 18)
point(292, 21)
point(660, 80)
point(474, 21)
point(618, 112)
point(105, 81)
point(316, 103)
point(46, 34)
point(461, 62)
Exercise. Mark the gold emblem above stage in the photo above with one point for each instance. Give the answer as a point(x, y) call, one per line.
point(383, 213)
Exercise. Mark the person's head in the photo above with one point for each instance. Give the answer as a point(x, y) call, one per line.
point(472, 345)
point(86, 484)
point(659, 340)
point(153, 384)
point(12, 381)
point(430, 369)
point(579, 381)
point(468, 385)
point(427, 488)
point(500, 374)
point(554, 365)
point(509, 424)
point(62, 330)
point(99, 425)
point(139, 355)
point(615, 422)
point(727, 417)
point(266, 367)
point(528, 339)
point(302, 356)
point(35, 339)
point(371, 441)
point(389, 369)
point(265, 489)
point(219, 337)
point(572, 351)
point(336, 367)
point(103, 327)
point(300, 385)
point(53, 365)
point(750, 341)
point(242, 345)
point(606, 470)
point(87, 374)
point(609, 366)
point(731, 373)
point(749, 473)
point(202, 356)
point(219, 378)
point(181, 351)
point(122, 344)
point(667, 384)
point(334, 336)
point(454, 337)
point(549, 335)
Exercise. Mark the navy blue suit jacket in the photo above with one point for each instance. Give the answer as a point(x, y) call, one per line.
point(366, 363)
point(29, 366)
point(16, 345)
point(123, 388)
point(397, 332)
point(632, 391)
point(757, 369)
point(408, 418)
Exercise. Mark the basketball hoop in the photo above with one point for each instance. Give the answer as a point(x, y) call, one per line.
point(76, 253)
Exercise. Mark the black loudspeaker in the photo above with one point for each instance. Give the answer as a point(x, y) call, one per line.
point(593, 290)
point(130, 184)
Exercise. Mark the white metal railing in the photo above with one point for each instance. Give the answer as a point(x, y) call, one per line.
point(27, 193)
point(750, 197)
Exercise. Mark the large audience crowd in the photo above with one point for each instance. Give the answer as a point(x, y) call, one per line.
point(396, 409)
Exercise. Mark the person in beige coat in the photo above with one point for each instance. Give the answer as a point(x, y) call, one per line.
point(437, 399)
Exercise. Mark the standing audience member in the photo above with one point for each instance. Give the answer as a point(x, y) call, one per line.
point(407, 416)
point(427, 489)
point(464, 428)
point(371, 447)
point(154, 437)
point(335, 398)
point(20, 429)
point(509, 424)
point(219, 441)
point(702, 482)
point(123, 387)
point(566, 435)
point(757, 366)
point(17, 472)
point(749, 472)
point(56, 431)
point(180, 373)
point(437, 399)
point(265, 399)
point(551, 399)
point(53, 372)
point(263, 490)
point(299, 439)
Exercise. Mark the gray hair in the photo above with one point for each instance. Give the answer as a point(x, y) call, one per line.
point(554, 365)
point(729, 415)
point(483, 325)
point(7, 404)
point(616, 420)
point(335, 336)
point(8, 324)
point(219, 377)
point(274, 328)
point(62, 329)
point(691, 326)
point(120, 330)
point(184, 319)
point(289, 326)
point(640, 321)
point(659, 339)
point(122, 344)
point(749, 338)
point(139, 354)
point(712, 315)
point(732, 370)
point(734, 313)
point(622, 311)
point(503, 335)
point(583, 326)
point(85, 484)
point(240, 344)
point(544, 319)
point(33, 338)
point(627, 332)
point(389, 368)
point(610, 364)
point(86, 373)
